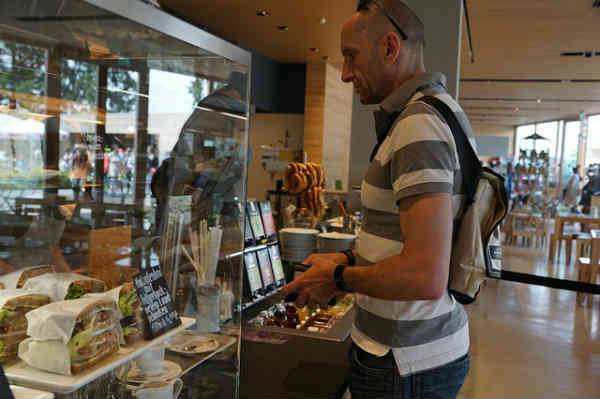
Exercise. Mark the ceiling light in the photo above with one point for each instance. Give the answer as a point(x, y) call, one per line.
point(323, 21)
point(517, 109)
point(263, 13)
point(315, 49)
point(283, 27)
point(539, 100)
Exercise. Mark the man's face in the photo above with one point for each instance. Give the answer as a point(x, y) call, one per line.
point(360, 62)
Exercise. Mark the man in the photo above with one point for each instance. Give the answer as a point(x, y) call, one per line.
point(573, 189)
point(410, 337)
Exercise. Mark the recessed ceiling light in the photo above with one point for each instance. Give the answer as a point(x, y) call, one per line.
point(517, 109)
point(539, 100)
point(315, 49)
point(283, 27)
point(263, 13)
point(323, 21)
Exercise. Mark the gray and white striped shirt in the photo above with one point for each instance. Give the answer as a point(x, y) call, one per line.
point(417, 156)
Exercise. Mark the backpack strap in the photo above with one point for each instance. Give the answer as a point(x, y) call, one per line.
point(470, 166)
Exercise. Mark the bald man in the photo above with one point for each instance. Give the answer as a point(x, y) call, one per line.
point(410, 336)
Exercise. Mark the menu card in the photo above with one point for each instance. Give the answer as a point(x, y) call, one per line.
point(253, 273)
point(157, 304)
point(267, 218)
point(248, 236)
point(277, 264)
point(266, 270)
point(255, 221)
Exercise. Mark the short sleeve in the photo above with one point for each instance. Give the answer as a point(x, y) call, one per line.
point(423, 157)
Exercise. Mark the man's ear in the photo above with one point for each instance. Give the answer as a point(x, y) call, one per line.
point(393, 47)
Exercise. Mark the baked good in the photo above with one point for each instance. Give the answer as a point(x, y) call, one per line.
point(131, 315)
point(62, 286)
point(18, 278)
point(68, 337)
point(15, 304)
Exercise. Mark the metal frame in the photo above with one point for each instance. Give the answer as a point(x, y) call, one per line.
point(161, 21)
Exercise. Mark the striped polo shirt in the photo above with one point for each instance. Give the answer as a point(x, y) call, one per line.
point(416, 156)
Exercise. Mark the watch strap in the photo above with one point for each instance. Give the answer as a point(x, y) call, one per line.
point(338, 276)
point(350, 256)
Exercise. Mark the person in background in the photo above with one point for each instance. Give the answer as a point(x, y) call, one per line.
point(81, 166)
point(573, 189)
point(509, 181)
point(410, 335)
point(115, 171)
point(129, 169)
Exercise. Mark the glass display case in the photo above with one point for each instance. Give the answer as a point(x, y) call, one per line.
point(123, 151)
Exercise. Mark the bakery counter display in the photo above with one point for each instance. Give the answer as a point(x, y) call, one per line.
point(332, 323)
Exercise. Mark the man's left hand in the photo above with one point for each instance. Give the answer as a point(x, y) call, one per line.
point(316, 286)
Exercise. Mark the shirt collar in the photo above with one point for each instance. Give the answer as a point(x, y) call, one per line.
point(400, 97)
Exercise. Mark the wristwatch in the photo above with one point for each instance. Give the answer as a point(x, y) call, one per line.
point(338, 276)
point(350, 256)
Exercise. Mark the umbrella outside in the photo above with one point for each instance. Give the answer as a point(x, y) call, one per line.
point(535, 137)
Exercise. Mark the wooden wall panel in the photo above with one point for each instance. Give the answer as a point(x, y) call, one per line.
point(314, 114)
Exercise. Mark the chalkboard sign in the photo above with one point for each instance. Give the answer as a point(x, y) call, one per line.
point(157, 304)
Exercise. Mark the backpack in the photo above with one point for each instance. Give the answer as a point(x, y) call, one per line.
point(476, 246)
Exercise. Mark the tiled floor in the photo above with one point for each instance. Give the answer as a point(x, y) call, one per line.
point(533, 342)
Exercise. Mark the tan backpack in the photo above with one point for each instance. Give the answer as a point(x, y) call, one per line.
point(476, 246)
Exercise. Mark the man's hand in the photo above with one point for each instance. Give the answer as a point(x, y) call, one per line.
point(316, 286)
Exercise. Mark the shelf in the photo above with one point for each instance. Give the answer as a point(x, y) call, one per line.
point(23, 375)
point(247, 305)
point(187, 363)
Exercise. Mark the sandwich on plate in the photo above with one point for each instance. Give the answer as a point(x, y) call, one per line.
point(14, 305)
point(69, 337)
point(63, 286)
point(131, 315)
point(18, 278)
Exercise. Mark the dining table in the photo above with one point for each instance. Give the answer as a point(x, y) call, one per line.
point(568, 217)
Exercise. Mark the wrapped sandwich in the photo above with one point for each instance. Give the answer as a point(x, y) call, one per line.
point(63, 286)
point(14, 305)
point(68, 337)
point(18, 278)
point(131, 316)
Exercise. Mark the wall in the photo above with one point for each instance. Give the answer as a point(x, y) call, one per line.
point(443, 28)
point(480, 129)
point(267, 129)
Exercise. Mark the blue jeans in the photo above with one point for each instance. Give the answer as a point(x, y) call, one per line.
point(377, 377)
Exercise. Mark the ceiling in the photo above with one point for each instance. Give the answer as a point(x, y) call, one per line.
point(518, 75)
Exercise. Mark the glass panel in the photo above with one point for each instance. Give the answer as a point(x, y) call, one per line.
point(593, 141)
point(522, 144)
point(123, 149)
point(571, 149)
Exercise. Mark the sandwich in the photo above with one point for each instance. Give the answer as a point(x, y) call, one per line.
point(68, 337)
point(14, 305)
point(131, 314)
point(18, 278)
point(65, 286)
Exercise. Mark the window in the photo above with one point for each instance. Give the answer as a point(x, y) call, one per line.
point(593, 140)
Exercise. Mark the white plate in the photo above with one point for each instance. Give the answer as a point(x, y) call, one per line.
point(295, 230)
point(189, 344)
point(26, 393)
point(170, 371)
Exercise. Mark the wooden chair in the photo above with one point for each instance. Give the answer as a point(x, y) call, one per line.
point(108, 246)
point(524, 227)
point(588, 268)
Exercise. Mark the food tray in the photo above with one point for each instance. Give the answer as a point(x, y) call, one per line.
point(338, 333)
point(21, 374)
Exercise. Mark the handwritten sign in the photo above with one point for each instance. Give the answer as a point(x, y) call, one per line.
point(158, 306)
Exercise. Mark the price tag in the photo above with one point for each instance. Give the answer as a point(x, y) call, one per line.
point(156, 301)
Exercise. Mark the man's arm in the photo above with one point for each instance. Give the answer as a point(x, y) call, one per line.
point(420, 272)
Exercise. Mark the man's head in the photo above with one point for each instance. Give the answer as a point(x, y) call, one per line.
point(382, 45)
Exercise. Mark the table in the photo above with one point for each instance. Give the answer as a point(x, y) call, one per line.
point(568, 217)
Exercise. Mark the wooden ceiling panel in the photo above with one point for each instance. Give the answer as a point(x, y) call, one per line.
point(512, 39)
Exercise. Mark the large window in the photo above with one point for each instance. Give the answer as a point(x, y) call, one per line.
point(593, 140)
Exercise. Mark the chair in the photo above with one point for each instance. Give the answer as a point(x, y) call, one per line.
point(588, 268)
point(524, 227)
point(108, 246)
